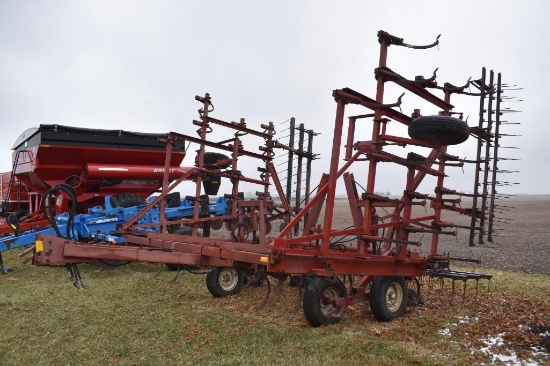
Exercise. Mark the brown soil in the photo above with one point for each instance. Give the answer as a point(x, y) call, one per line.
point(520, 241)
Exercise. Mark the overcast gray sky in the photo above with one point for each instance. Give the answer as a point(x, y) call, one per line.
point(137, 65)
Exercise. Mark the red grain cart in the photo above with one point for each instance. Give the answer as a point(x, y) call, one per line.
point(94, 162)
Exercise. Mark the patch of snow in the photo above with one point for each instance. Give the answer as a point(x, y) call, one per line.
point(467, 319)
point(510, 359)
point(495, 341)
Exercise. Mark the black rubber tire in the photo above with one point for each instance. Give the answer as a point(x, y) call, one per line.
point(211, 158)
point(268, 228)
point(251, 280)
point(224, 281)
point(185, 230)
point(109, 264)
point(182, 230)
point(127, 200)
point(388, 297)
point(319, 297)
point(216, 224)
point(296, 281)
point(412, 297)
point(172, 267)
point(441, 130)
point(299, 281)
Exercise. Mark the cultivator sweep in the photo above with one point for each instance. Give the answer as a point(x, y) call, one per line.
point(381, 257)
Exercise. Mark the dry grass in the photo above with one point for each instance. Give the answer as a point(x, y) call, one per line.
point(125, 317)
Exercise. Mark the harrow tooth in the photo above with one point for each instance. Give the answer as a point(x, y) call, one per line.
point(300, 296)
point(73, 273)
point(179, 274)
point(267, 294)
point(157, 273)
point(4, 269)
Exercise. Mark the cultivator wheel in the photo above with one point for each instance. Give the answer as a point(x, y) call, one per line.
point(215, 160)
point(442, 130)
point(216, 224)
point(224, 281)
point(388, 297)
point(324, 301)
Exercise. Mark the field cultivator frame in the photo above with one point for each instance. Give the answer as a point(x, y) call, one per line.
point(385, 259)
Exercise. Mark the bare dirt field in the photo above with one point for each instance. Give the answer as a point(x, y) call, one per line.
point(521, 241)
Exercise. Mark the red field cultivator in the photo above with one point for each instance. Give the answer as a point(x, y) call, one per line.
point(379, 261)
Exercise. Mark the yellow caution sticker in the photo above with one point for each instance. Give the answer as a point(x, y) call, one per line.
point(39, 246)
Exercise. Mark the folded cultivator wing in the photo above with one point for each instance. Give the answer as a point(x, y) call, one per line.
point(377, 258)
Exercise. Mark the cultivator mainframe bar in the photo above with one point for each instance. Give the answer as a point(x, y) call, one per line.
point(384, 259)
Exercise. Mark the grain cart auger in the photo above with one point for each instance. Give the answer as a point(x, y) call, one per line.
point(384, 260)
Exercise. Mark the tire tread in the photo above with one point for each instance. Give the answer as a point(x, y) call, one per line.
point(444, 130)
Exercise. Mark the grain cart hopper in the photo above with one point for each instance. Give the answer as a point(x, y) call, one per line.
point(95, 163)
point(382, 263)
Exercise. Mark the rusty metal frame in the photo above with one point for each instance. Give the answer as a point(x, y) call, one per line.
point(383, 246)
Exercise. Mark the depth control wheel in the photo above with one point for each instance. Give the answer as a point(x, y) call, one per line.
point(388, 297)
point(324, 301)
point(224, 281)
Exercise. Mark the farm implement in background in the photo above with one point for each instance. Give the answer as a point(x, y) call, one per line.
point(104, 223)
point(384, 262)
point(72, 170)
